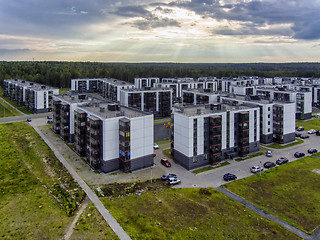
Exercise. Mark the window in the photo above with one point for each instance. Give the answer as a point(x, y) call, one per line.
point(268, 129)
point(268, 115)
point(195, 159)
point(269, 108)
point(269, 123)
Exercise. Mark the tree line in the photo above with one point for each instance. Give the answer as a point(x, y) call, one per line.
point(59, 74)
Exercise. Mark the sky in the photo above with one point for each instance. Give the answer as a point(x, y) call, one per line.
point(205, 31)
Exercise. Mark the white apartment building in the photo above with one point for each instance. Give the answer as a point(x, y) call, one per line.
point(154, 100)
point(208, 134)
point(145, 82)
point(111, 137)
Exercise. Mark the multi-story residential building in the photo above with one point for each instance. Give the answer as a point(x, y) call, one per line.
point(108, 88)
point(111, 137)
point(145, 82)
point(202, 96)
point(154, 100)
point(277, 119)
point(35, 97)
point(302, 99)
point(63, 112)
point(208, 134)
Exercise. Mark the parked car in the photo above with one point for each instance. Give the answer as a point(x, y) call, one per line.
point(49, 122)
point(318, 133)
point(155, 146)
point(311, 131)
point(269, 153)
point(29, 120)
point(303, 136)
point(298, 134)
point(165, 177)
point(312, 150)
point(256, 169)
point(165, 162)
point(300, 129)
point(49, 117)
point(229, 177)
point(299, 154)
point(154, 154)
point(173, 181)
point(282, 160)
point(269, 164)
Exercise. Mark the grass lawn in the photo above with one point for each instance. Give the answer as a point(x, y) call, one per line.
point(250, 156)
point(7, 111)
point(34, 187)
point(187, 214)
point(64, 90)
point(313, 123)
point(290, 192)
point(91, 225)
point(204, 169)
point(167, 153)
point(279, 146)
point(164, 144)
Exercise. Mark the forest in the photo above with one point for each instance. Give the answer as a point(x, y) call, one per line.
point(59, 74)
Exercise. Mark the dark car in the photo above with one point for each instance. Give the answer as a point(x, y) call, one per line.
point(300, 129)
point(229, 177)
point(299, 154)
point(49, 117)
point(312, 150)
point(165, 177)
point(298, 134)
point(269, 164)
point(282, 160)
point(165, 162)
point(29, 120)
point(318, 133)
point(303, 136)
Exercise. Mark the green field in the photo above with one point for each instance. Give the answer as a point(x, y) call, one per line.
point(189, 214)
point(91, 225)
point(279, 146)
point(37, 194)
point(291, 192)
point(313, 123)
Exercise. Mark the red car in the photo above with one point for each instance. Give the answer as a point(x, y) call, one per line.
point(154, 154)
point(165, 162)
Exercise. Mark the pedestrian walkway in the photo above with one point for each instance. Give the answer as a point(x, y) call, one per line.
point(267, 215)
point(115, 226)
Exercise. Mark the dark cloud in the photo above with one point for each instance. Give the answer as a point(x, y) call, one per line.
point(155, 23)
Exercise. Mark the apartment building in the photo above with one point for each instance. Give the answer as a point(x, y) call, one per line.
point(277, 119)
point(208, 134)
point(202, 96)
point(108, 88)
point(153, 100)
point(302, 99)
point(111, 137)
point(35, 97)
point(63, 112)
point(145, 82)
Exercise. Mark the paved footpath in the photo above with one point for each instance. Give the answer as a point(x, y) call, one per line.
point(93, 197)
point(267, 215)
point(12, 106)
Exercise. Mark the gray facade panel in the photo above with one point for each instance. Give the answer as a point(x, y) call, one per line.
point(305, 116)
point(266, 138)
point(290, 137)
point(254, 147)
point(188, 162)
point(142, 162)
point(110, 165)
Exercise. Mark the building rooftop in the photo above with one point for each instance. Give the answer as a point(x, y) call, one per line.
point(81, 98)
point(147, 89)
point(104, 110)
point(32, 85)
point(252, 100)
point(209, 109)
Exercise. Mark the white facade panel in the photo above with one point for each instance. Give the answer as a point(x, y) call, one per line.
point(110, 138)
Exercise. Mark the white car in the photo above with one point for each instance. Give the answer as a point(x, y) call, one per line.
point(173, 181)
point(155, 146)
point(311, 131)
point(256, 169)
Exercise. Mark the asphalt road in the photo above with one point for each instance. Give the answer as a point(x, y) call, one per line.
point(214, 178)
